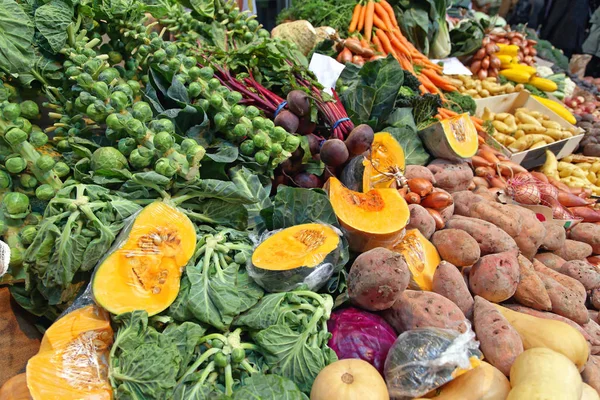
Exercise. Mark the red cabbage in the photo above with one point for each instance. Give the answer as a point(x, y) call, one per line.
point(360, 334)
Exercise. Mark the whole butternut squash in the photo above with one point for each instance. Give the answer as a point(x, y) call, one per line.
point(349, 379)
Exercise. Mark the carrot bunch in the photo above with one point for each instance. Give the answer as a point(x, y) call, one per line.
point(377, 22)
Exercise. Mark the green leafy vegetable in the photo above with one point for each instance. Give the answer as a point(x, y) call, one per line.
point(52, 20)
point(403, 129)
point(268, 387)
point(16, 38)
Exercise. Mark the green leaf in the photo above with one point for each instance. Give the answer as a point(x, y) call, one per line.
point(186, 337)
point(268, 387)
point(264, 314)
point(16, 38)
point(414, 152)
point(226, 153)
point(52, 20)
point(217, 212)
point(294, 206)
point(249, 183)
point(206, 8)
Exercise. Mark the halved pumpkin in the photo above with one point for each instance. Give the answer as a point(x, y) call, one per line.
point(376, 218)
point(380, 169)
point(306, 253)
point(144, 273)
point(15, 389)
point(454, 138)
point(422, 259)
point(73, 360)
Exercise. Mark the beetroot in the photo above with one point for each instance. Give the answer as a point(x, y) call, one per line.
point(314, 143)
point(298, 103)
point(306, 126)
point(334, 152)
point(287, 120)
point(360, 139)
point(360, 334)
point(306, 180)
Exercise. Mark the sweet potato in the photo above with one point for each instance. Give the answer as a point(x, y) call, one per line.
point(498, 340)
point(574, 250)
point(531, 291)
point(452, 177)
point(593, 329)
point(550, 260)
point(555, 236)
point(499, 215)
point(595, 298)
point(377, 278)
point(587, 233)
point(565, 302)
point(593, 315)
point(495, 277)
point(533, 233)
point(491, 239)
point(457, 247)
point(417, 309)
point(464, 200)
point(568, 282)
point(421, 219)
point(448, 282)
point(418, 171)
point(583, 272)
point(591, 372)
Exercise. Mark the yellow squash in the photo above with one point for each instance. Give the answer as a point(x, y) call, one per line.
point(422, 259)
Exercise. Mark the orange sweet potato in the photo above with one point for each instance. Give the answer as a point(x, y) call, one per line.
point(568, 282)
point(574, 250)
point(450, 176)
point(550, 260)
point(499, 215)
point(418, 171)
point(583, 272)
point(491, 239)
point(587, 233)
point(448, 282)
point(464, 200)
point(555, 236)
point(495, 277)
point(591, 372)
point(565, 302)
point(498, 340)
point(593, 329)
point(457, 247)
point(421, 219)
point(531, 291)
point(533, 233)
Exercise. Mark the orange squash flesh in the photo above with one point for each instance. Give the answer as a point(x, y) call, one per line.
point(73, 361)
point(422, 259)
point(376, 218)
point(144, 273)
point(454, 139)
point(387, 157)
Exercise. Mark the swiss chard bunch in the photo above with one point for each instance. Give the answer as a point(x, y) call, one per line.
point(291, 330)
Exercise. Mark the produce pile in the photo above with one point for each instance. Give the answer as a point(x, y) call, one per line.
point(192, 215)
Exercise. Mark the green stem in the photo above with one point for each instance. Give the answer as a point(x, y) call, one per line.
point(209, 368)
point(205, 356)
point(246, 365)
point(228, 380)
point(249, 346)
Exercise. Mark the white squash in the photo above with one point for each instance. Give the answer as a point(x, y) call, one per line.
point(349, 379)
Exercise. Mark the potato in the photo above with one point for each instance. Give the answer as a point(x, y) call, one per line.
point(531, 291)
point(532, 234)
point(377, 278)
point(463, 201)
point(550, 260)
point(587, 233)
point(452, 177)
point(591, 373)
point(583, 272)
point(448, 282)
point(565, 302)
point(418, 171)
point(555, 236)
point(574, 250)
point(495, 277)
point(491, 239)
point(499, 215)
point(417, 309)
point(498, 340)
point(457, 247)
point(421, 219)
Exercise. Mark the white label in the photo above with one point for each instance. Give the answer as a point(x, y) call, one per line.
point(4, 257)
point(327, 70)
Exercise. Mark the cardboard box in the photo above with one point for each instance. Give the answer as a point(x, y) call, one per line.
point(529, 158)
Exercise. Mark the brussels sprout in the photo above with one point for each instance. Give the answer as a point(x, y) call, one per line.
point(220, 120)
point(166, 167)
point(113, 121)
point(174, 65)
point(276, 149)
point(15, 136)
point(24, 124)
point(248, 36)
point(85, 80)
point(11, 111)
point(72, 71)
point(15, 165)
point(135, 128)
point(125, 88)
point(38, 139)
point(126, 146)
point(144, 50)
point(163, 141)
point(15, 203)
point(142, 111)
point(156, 43)
point(109, 75)
point(92, 66)
point(45, 163)
point(223, 90)
point(79, 59)
point(216, 101)
point(28, 181)
point(247, 147)
point(234, 97)
point(207, 73)
point(162, 124)
point(240, 131)
point(187, 144)
point(269, 125)
point(135, 86)
point(261, 140)
point(238, 355)
point(258, 123)
point(114, 57)
point(238, 111)
point(291, 143)
point(171, 50)
point(221, 360)
point(36, 128)
point(5, 180)
point(63, 146)
point(138, 159)
point(16, 256)
point(194, 89)
point(33, 218)
point(30, 109)
point(160, 55)
point(86, 98)
point(119, 100)
point(61, 169)
point(3, 226)
point(189, 62)
point(194, 73)
point(96, 111)
point(196, 152)
point(261, 157)
point(263, 33)
point(100, 89)
point(44, 192)
point(278, 134)
point(106, 158)
point(252, 112)
point(203, 104)
point(214, 83)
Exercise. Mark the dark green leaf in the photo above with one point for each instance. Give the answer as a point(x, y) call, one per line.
point(186, 337)
point(414, 152)
point(268, 387)
point(250, 184)
point(52, 20)
point(225, 153)
point(294, 206)
point(217, 212)
point(16, 38)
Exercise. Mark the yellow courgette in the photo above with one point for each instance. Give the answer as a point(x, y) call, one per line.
point(543, 84)
point(516, 75)
point(505, 60)
point(508, 50)
point(557, 108)
point(523, 67)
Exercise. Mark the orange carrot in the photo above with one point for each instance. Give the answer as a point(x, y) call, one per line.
point(382, 13)
point(399, 46)
point(378, 23)
point(378, 45)
point(369, 20)
point(428, 84)
point(361, 18)
point(438, 80)
point(385, 42)
point(390, 11)
point(364, 44)
point(355, 17)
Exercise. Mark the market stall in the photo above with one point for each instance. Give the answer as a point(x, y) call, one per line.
point(386, 204)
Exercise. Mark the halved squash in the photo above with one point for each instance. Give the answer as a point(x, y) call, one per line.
point(306, 253)
point(15, 389)
point(73, 361)
point(454, 139)
point(144, 273)
point(422, 259)
point(376, 218)
point(380, 169)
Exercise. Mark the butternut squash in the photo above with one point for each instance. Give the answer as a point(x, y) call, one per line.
point(422, 259)
point(589, 393)
point(373, 219)
point(349, 379)
point(144, 273)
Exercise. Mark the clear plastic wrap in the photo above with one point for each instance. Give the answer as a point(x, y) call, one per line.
point(424, 359)
point(288, 258)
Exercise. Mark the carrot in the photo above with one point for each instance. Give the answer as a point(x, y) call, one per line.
point(385, 42)
point(390, 11)
point(382, 13)
point(378, 45)
point(438, 80)
point(361, 18)
point(399, 46)
point(364, 44)
point(378, 23)
point(369, 20)
point(428, 84)
point(355, 17)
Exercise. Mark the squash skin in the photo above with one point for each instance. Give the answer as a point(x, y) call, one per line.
point(15, 389)
point(349, 379)
point(421, 257)
point(282, 261)
point(545, 333)
point(589, 393)
point(541, 373)
point(144, 272)
point(442, 142)
point(373, 219)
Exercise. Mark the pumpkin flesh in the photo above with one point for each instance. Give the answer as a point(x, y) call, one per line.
point(144, 273)
point(386, 158)
point(422, 259)
point(453, 139)
point(15, 389)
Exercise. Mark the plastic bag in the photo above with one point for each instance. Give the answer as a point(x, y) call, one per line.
point(424, 359)
point(292, 257)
